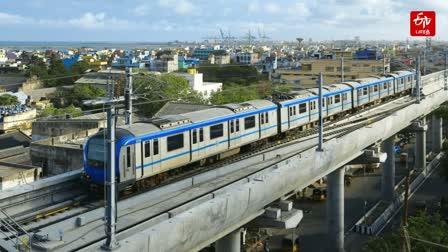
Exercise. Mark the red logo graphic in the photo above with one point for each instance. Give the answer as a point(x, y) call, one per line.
point(423, 23)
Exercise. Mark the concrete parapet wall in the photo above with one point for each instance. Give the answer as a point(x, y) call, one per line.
point(55, 158)
point(53, 128)
point(394, 206)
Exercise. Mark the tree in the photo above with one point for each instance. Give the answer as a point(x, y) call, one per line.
point(7, 99)
point(70, 110)
point(234, 93)
point(57, 71)
point(76, 95)
point(79, 67)
point(242, 75)
point(158, 90)
point(424, 226)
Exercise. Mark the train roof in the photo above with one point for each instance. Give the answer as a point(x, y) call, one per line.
point(141, 128)
point(259, 104)
point(207, 114)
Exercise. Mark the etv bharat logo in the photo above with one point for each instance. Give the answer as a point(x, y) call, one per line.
point(423, 23)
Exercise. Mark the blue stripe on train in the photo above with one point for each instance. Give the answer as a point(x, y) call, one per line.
point(205, 147)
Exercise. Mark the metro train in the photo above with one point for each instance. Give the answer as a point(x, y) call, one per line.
point(150, 150)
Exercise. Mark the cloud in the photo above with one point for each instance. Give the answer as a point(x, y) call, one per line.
point(141, 10)
point(181, 7)
point(6, 18)
point(89, 20)
point(253, 7)
point(272, 8)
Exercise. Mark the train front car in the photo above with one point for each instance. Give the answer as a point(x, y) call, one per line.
point(95, 156)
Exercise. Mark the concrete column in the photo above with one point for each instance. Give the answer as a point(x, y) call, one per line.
point(420, 145)
point(436, 133)
point(335, 210)
point(388, 177)
point(230, 242)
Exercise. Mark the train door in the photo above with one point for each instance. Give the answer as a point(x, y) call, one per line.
point(234, 132)
point(156, 155)
point(127, 164)
point(196, 143)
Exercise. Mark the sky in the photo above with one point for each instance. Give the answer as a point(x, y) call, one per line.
point(194, 20)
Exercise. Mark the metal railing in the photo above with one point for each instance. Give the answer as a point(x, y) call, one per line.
point(12, 230)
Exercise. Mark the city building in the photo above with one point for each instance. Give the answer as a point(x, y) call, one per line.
point(101, 79)
point(198, 84)
point(16, 117)
point(247, 58)
point(306, 74)
point(128, 61)
point(165, 63)
point(202, 53)
point(3, 57)
point(94, 61)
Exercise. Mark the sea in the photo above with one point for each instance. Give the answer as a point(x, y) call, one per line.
point(62, 45)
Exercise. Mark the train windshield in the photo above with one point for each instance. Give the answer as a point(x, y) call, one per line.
point(96, 154)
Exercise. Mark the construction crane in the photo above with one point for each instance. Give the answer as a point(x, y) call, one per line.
point(262, 36)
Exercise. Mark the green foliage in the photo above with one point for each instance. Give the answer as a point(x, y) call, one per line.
point(70, 110)
point(426, 227)
point(79, 67)
point(37, 68)
point(7, 99)
point(57, 70)
point(56, 74)
point(234, 93)
point(166, 87)
point(242, 75)
point(77, 95)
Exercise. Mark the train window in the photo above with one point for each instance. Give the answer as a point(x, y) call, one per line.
point(385, 85)
point(295, 110)
point(364, 91)
point(266, 117)
point(216, 131)
point(155, 146)
point(302, 108)
point(290, 111)
point(232, 126)
point(201, 135)
point(323, 102)
point(195, 136)
point(262, 118)
point(249, 122)
point(375, 88)
point(147, 149)
point(128, 157)
point(175, 142)
point(402, 81)
point(237, 125)
point(337, 98)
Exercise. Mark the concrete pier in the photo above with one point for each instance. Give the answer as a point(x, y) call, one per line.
point(230, 242)
point(437, 133)
point(388, 177)
point(420, 145)
point(335, 210)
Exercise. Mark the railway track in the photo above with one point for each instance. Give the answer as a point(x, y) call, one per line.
point(81, 205)
point(359, 124)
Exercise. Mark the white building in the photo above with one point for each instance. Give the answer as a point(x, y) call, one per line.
point(198, 84)
point(3, 57)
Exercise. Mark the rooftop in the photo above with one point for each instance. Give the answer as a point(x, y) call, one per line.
point(13, 139)
point(175, 108)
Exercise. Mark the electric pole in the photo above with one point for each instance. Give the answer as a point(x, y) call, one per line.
point(446, 71)
point(342, 69)
point(321, 120)
point(128, 97)
point(418, 82)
